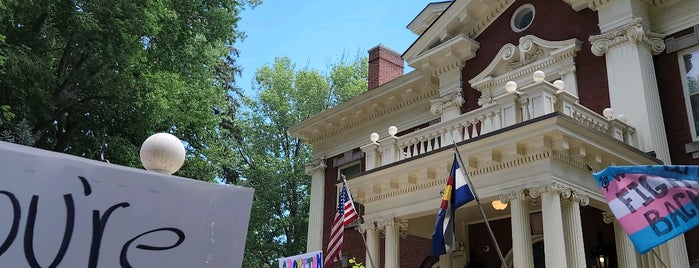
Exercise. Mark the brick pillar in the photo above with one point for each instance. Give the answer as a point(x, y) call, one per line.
point(384, 65)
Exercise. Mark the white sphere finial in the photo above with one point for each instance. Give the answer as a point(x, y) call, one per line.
point(374, 137)
point(559, 84)
point(511, 86)
point(539, 76)
point(608, 113)
point(162, 153)
point(622, 118)
point(392, 130)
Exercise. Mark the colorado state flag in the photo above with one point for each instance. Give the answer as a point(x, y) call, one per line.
point(456, 194)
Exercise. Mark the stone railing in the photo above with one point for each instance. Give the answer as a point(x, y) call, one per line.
point(512, 107)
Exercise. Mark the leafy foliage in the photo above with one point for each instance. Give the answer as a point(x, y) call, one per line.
point(80, 74)
point(273, 160)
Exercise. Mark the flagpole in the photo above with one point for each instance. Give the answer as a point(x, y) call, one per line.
point(368, 253)
point(658, 256)
point(478, 202)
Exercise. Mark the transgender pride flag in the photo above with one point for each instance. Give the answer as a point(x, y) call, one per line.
point(653, 204)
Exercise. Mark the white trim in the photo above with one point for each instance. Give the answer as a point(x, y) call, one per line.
point(685, 89)
point(517, 12)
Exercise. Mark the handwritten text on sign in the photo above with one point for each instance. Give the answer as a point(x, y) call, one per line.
point(653, 206)
point(71, 212)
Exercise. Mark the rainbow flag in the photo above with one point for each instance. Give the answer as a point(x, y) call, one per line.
point(653, 204)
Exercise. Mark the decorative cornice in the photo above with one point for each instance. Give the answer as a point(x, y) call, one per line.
point(374, 116)
point(315, 165)
point(515, 62)
point(400, 224)
point(454, 99)
point(634, 32)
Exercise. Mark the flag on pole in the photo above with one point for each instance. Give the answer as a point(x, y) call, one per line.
point(456, 193)
point(345, 214)
point(653, 204)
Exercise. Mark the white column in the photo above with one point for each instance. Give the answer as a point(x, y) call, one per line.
point(633, 88)
point(554, 241)
point(677, 252)
point(393, 229)
point(445, 261)
point(316, 169)
point(373, 242)
point(626, 254)
point(522, 254)
point(575, 248)
point(372, 156)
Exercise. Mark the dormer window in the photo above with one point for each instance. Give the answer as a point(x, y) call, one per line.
point(522, 18)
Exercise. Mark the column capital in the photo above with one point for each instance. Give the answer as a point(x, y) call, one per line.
point(400, 224)
point(580, 198)
point(608, 217)
point(454, 99)
point(553, 188)
point(514, 195)
point(368, 226)
point(314, 165)
point(635, 31)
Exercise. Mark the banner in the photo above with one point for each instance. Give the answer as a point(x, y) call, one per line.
point(309, 260)
point(653, 204)
point(65, 211)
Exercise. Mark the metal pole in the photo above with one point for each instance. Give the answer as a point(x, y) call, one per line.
point(371, 259)
point(478, 201)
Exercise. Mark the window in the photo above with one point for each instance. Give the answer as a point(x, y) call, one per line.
point(350, 170)
point(522, 18)
point(689, 67)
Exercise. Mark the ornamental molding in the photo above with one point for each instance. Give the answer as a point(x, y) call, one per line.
point(515, 195)
point(607, 217)
point(595, 5)
point(634, 32)
point(399, 224)
point(580, 198)
point(518, 62)
point(565, 192)
point(553, 188)
point(315, 165)
point(454, 99)
point(375, 115)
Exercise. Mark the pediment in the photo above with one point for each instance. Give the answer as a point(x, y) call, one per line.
point(463, 19)
point(518, 62)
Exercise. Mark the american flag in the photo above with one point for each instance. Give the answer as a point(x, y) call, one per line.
point(345, 215)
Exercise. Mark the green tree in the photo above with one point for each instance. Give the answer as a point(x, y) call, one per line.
point(80, 74)
point(273, 160)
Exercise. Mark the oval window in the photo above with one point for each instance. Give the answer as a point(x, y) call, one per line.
point(522, 18)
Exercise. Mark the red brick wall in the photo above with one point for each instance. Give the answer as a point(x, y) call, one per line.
point(384, 65)
point(547, 24)
point(677, 128)
point(413, 250)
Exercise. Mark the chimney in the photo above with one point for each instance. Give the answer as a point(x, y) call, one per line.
point(384, 65)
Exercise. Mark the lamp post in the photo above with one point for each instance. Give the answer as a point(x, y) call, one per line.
point(162, 153)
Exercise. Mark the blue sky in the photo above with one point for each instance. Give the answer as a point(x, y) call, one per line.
point(315, 32)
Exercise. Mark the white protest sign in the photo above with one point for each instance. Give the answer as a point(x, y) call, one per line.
point(66, 211)
point(307, 260)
